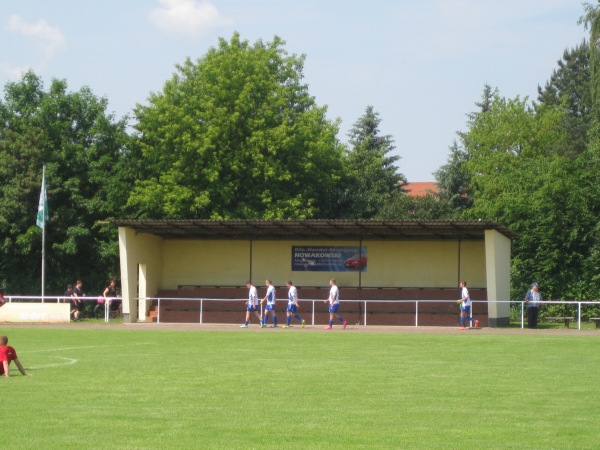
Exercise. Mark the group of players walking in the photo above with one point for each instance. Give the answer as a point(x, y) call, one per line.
point(252, 305)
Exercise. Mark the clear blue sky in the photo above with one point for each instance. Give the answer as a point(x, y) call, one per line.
point(421, 64)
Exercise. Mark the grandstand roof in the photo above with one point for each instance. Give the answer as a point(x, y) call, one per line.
point(315, 229)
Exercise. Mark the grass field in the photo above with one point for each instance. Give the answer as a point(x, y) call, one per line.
point(123, 388)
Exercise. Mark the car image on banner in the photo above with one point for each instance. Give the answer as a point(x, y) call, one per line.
point(357, 261)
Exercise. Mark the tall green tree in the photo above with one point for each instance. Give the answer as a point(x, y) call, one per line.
point(236, 135)
point(372, 177)
point(453, 178)
point(588, 168)
point(569, 86)
point(83, 148)
point(591, 19)
point(483, 106)
point(520, 180)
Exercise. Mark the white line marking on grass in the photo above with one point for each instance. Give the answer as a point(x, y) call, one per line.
point(83, 347)
point(68, 361)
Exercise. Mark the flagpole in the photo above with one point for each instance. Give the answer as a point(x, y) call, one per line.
point(44, 235)
point(42, 217)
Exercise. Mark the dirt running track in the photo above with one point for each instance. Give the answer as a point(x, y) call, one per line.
point(253, 328)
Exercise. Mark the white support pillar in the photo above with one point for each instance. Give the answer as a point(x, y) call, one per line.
point(497, 260)
point(141, 270)
point(143, 291)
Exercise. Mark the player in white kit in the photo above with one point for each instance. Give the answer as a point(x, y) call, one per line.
point(292, 307)
point(251, 304)
point(334, 304)
point(270, 305)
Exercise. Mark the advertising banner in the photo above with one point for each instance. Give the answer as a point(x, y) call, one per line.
point(35, 312)
point(329, 259)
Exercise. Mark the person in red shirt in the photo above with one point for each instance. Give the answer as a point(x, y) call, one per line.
point(8, 355)
point(2, 300)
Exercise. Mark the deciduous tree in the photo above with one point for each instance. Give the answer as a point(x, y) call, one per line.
point(520, 180)
point(83, 148)
point(236, 135)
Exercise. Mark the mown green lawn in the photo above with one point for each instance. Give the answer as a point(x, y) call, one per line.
point(123, 388)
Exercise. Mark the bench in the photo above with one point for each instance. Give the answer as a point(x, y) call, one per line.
point(596, 320)
point(566, 320)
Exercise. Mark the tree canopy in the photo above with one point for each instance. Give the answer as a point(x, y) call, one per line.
point(569, 87)
point(83, 148)
point(520, 178)
point(236, 135)
point(371, 174)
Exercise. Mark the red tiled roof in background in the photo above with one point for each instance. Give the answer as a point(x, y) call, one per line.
point(420, 188)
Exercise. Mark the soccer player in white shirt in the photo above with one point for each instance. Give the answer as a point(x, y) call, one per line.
point(465, 307)
point(293, 305)
point(270, 307)
point(334, 304)
point(251, 304)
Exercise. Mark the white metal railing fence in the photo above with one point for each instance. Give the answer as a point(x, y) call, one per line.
point(365, 303)
point(63, 299)
point(313, 302)
point(559, 302)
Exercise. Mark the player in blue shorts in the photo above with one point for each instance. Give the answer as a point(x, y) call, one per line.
point(465, 307)
point(270, 305)
point(251, 304)
point(334, 304)
point(293, 305)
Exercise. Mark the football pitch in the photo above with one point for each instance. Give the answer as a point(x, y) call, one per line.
point(124, 388)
